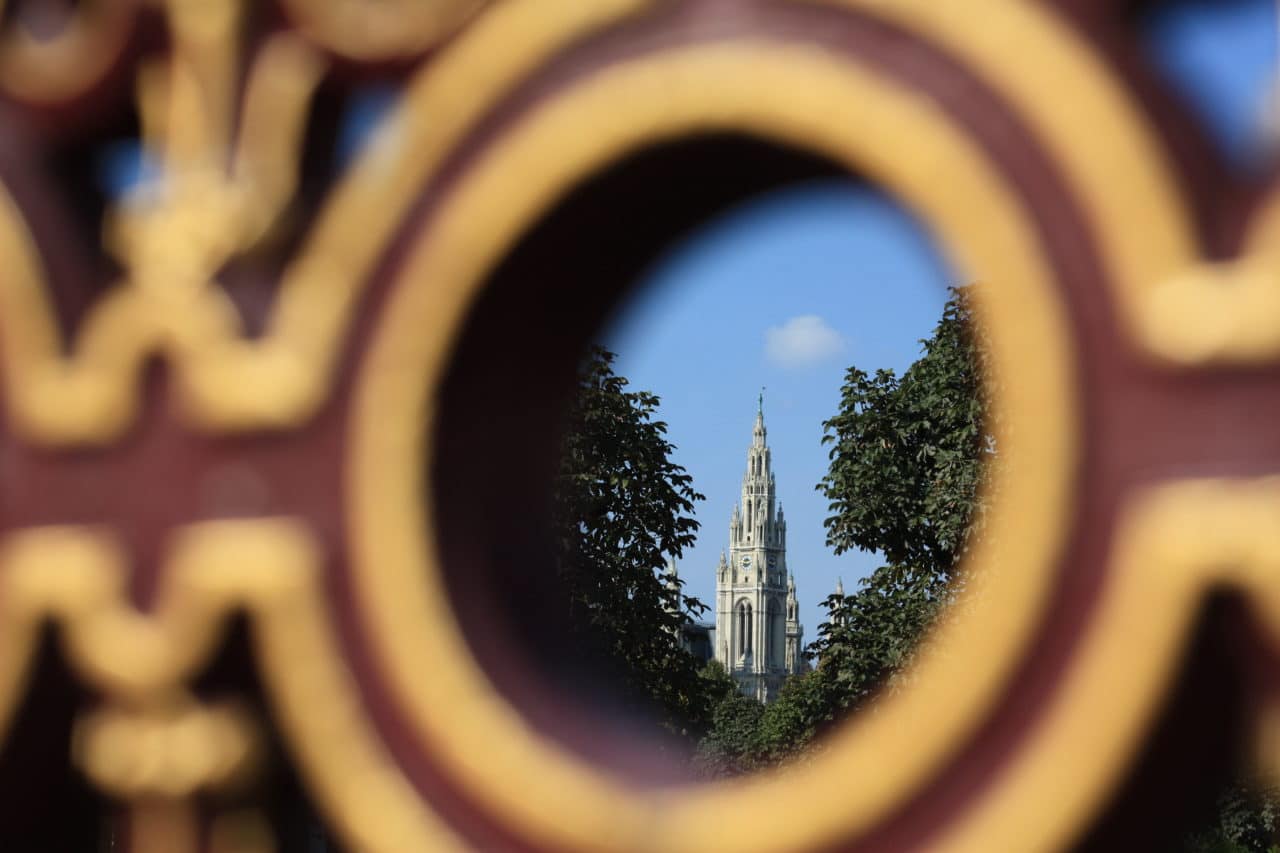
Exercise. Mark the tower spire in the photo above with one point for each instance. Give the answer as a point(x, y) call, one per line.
point(758, 632)
point(758, 431)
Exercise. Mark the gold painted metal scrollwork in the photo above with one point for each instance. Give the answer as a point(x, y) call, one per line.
point(153, 744)
point(1221, 313)
point(380, 30)
point(210, 202)
point(59, 67)
point(345, 596)
point(225, 170)
point(173, 235)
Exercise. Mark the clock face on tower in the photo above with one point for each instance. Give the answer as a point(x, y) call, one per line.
point(746, 561)
point(773, 561)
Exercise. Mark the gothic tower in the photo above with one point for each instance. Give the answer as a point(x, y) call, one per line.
point(758, 633)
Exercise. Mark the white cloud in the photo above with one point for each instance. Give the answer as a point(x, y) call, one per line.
point(802, 341)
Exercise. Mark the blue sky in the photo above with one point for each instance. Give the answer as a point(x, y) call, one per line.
point(718, 320)
point(789, 291)
point(1222, 56)
point(843, 276)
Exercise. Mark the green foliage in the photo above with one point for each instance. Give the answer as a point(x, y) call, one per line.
point(867, 639)
point(908, 457)
point(1247, 821)
point(730, 745)
point(907, 454)
point(790, 723)
point(871, 635)
point(907, 460)
point(717, 682)
point(622, 506)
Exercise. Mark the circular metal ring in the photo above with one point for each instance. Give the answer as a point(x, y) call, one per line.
point(57, 69)
point(370, 31)
point(539, 790)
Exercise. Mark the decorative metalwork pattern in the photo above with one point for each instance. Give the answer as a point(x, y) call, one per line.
point(177, 458)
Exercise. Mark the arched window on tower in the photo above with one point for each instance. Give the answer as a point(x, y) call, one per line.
point(777, 633)
point(744, 629)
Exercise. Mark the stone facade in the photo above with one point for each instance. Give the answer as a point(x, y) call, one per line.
point(758, 636)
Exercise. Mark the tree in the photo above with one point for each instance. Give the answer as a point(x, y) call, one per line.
point(907, 455)
point(907, 463)
point(621, 508)
point(1247, 821)
point(789, 724)
point(731, 744)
